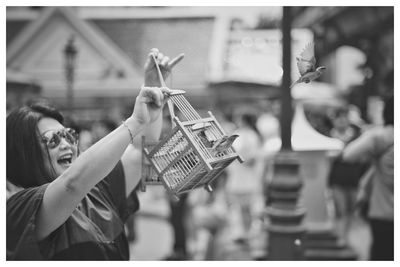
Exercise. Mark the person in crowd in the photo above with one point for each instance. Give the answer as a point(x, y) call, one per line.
point(85, 140)
point(208, 214)
point(344, 176)
point(244, 184)
point(376, 145)
point(73, 206)
point(101, 128)
point(177, 219)
point(178, 212)
point(269, 127)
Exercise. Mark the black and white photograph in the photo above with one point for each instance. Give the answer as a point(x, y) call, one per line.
point(199, 133)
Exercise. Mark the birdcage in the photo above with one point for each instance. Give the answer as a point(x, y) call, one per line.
point(149, 175)
point(191, 155)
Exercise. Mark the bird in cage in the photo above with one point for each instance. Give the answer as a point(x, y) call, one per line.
point(207, 138)
point(223, 143)
point(306, 64)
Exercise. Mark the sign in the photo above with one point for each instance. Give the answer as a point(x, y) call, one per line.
point(256, 55)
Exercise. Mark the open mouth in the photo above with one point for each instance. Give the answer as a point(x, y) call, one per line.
point(65, 159)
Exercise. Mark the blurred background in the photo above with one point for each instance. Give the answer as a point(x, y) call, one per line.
point(88, 61)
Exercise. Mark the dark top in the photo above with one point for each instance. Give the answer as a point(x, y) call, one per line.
point(94, 231)
point(347, 174)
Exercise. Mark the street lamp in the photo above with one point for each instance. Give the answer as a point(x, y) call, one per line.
point(286, 230)
point(70, 53)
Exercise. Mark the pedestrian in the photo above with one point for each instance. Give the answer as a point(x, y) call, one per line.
point(177, 219)
point(71, 206)
point(101, 128)
point(244, 181)
point(376, 145)
point(344, 176)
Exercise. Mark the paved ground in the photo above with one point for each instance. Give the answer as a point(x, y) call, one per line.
point(154, 237)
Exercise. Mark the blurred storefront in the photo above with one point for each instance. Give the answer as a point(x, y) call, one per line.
point(224, 53)
point(21, 89)
point(112, 44)
point(252, 67)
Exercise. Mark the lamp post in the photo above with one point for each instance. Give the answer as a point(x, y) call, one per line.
point(285, 231)
point(70, 53)
point(286, 98)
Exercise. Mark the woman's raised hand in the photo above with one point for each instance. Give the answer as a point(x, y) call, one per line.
point(152, 96)
point(149, 104)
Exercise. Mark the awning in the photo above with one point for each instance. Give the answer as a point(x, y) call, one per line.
point(13, 76)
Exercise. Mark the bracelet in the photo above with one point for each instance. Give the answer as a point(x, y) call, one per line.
point(129, 130)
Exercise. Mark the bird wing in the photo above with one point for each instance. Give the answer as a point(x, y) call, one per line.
point(219, 142)
point(306, 60)
point(225, 142)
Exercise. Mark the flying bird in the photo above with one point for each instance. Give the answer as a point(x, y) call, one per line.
point(223, 143)
point(306, 64)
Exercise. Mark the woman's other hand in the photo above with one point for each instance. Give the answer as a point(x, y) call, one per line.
point(165, 64)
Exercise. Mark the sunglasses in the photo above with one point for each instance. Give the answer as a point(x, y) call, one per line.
point(53, 138)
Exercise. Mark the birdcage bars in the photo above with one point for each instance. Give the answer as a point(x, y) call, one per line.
point(172, 149)
point(181, 160)
point(217, 131)
point(148, 175)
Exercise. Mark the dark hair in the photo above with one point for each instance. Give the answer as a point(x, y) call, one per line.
point(388, 111)
point(251, 121)
point(25, 158)
point(388, 81)
point(342, 111)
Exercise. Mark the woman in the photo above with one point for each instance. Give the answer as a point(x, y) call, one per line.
point(73, 207)
point(377, 146)
point(344, 176)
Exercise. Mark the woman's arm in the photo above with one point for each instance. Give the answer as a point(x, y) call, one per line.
point(65, 192)
point(132, 158)
point(361, 149)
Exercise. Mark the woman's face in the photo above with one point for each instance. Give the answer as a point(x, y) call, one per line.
point(62, 153)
